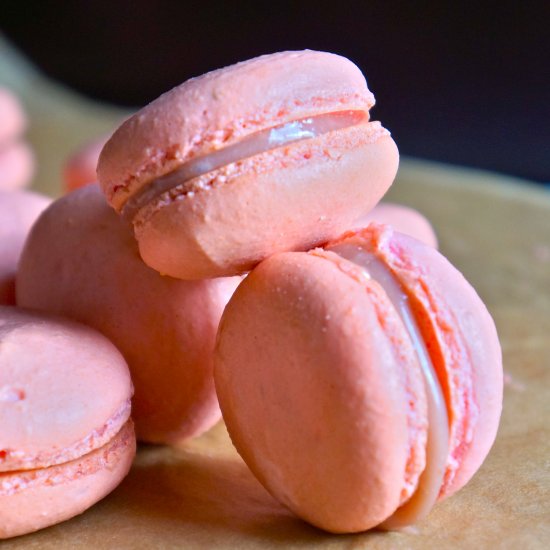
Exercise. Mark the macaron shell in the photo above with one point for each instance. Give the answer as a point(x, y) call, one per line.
point(33, 500)
point(18, 211)
point(64, 390)
point(16, 166)
point(462, 338)
point(314, 379)
point(402, 218)
point(12, 117)
point(81, 260)
point(220, 108)
point(290, 198)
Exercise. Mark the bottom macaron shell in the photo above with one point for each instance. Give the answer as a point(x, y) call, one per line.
point(313, 394)
point(290, 198)
point(34, 499)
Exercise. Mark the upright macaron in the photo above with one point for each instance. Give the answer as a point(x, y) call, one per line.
point(66, 438)
point(81, 261)
point(361, 382)
point(18, 211)
point(272, 154)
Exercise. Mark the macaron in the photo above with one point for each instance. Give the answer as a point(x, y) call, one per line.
point(81, 261)
point(272, 154)
point(16, 158)
point(402, 218)
point(18, 211)
point(66, 438)
point(362, 382)
point(80, 168)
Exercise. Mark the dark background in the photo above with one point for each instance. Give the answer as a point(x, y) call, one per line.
point(460, 82)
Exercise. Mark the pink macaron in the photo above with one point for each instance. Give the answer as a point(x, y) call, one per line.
point(16, 158)
point(81, 261)
point(272, 154)
point(80, 168)
point(361, 382)
point(18, 211)
point(66, 438)
point(402, 218)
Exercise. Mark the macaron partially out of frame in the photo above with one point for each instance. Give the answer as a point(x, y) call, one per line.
point(66, 438)
point(272, 154)
point(360, 383)
point(403, 219)
point(81, 261)
point(18, 211)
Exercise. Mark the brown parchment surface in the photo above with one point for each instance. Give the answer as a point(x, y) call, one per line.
point(201, 495)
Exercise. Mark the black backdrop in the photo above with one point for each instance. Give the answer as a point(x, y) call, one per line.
point(460, 82)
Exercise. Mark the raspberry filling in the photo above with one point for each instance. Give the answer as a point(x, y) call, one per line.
point(254, 144)
point(437, 448)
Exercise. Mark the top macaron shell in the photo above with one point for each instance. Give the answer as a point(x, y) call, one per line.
point(45, 418)
point(220, 108)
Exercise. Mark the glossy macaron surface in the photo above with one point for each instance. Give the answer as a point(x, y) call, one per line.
point(189, 172)
point(81, 261)
point(313, 349)
point(66, 438)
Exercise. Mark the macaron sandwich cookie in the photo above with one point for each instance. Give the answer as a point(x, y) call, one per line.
point(272, 154)
point(361, 382)
point(66, 438)
point(81, 261)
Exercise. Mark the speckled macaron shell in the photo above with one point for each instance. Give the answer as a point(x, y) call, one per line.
point(66, 437)
point(18, 211)
point(80, 168)
point(313, 395)
point(314, 371)
point(402, 218)
point(309, 190)
point(81, 261)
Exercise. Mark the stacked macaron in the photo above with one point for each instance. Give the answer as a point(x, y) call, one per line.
point(361, 382)
point(358, 373)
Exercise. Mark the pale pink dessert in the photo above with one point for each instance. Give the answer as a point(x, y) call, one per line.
point(271, 154)
point(16, 158)
point(81, 261)
point(66, 438)
point(362, 382)
point(18, 211)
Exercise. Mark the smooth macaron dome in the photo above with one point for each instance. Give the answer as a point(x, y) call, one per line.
point(66, 439)
point(323, 388)
point(284, 137)
point(81, 261)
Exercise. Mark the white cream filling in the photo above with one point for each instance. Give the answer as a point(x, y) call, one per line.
point(437, 448)
point(254, 144)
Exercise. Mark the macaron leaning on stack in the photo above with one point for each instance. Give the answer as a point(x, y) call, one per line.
point(66, 438)
point(271, 154)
